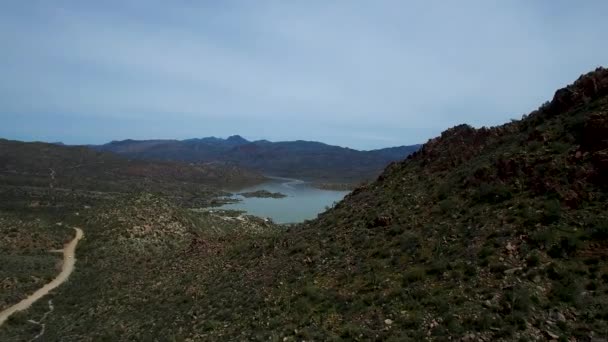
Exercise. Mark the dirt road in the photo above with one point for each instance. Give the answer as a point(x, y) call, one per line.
point(69, 260)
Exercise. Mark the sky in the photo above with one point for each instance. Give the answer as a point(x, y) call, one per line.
point(362, 74)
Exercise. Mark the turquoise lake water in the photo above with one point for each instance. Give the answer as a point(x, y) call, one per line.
point(303, 202)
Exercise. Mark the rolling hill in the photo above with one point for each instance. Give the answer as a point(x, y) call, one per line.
point(54, 169)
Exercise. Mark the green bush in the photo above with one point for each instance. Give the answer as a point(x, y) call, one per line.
point(567, 246)
point(600, 231)
point(444, 190)
point(409, 243)
point(492, 193)
point(498, 267)
point(552, 212)
point(447, 205)
point(437, 268)
point(413, 275)
point(565, 291)
point(485, 252)
point(518, 299)
point(533, 259)
point(542, 238)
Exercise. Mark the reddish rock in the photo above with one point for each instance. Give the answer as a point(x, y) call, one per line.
point(595, 133)
point(587, 88)
point(571, 198)
point(506, 168)
point(536, 135)
point(381, 221)
point(600, 161)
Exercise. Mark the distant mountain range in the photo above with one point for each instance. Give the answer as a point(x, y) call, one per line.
point(298, 159)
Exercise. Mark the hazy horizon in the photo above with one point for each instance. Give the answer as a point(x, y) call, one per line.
point(352, 74)
point(218, 137)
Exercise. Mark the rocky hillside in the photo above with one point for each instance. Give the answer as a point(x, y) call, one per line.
point(484, 234)
point(298, 159)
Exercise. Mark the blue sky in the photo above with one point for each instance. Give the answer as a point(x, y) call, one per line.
point(363, 74)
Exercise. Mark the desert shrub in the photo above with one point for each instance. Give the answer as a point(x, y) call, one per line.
point(492, 193)
point(575, 125)
point(552, 212)
point(444, 190)
point(559, 147)
point(600, 231)
point(591, 261)
point(542, 238)
point(498, 267)
point(528, 215)
point(566, 246)
point(395, 230)
point(409, 243)
point(566, 291)
point(478, 322)
point(591, 286)
point(534, 145)
point(533, 259)
point(300, 247)
point(437, 268)
point(413, 275)
point(485, 252)
point(447, 205)
point(517, 299)
point(470, 271)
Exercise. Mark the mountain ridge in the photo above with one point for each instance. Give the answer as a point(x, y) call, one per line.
point(308, 160)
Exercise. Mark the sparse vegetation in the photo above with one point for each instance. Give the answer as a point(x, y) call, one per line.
point(484, 234)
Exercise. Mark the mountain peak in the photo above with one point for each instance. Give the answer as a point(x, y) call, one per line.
point(585, 89)
point(237, 140)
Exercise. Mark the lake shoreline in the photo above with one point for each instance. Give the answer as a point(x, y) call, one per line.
point(302, 201)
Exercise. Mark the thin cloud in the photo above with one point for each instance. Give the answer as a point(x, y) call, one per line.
point(352, 73)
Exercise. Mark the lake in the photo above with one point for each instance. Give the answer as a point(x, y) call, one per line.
point(303, 201)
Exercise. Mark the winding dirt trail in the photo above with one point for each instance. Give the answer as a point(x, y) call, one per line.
point(69, 260)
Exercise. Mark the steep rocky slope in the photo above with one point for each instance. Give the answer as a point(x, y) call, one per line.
point(484, 234)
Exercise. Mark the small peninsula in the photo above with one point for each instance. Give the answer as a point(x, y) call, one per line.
point(263, 194)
